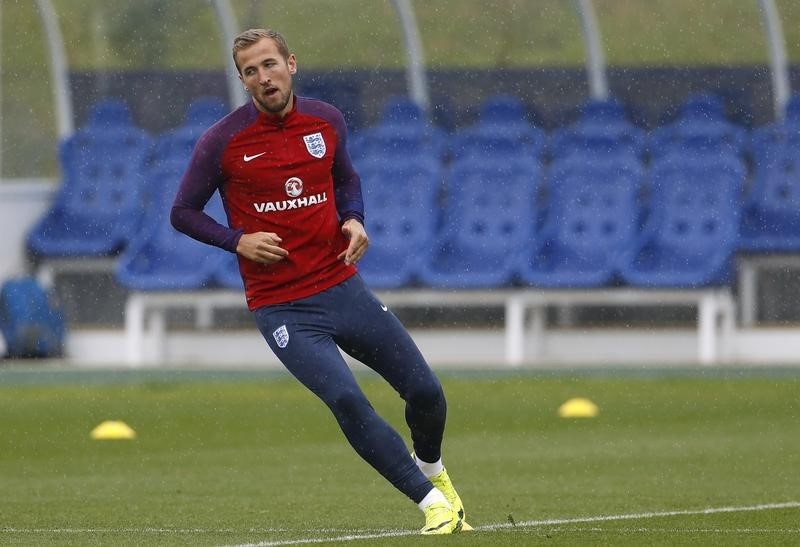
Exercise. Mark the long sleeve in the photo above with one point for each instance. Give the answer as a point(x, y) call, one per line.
point(202, 178)
point(347, 185)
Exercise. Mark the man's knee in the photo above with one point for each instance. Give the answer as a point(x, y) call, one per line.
point(348, 402)
point(428, 393)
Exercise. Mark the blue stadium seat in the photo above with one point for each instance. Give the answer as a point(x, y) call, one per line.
point(161, 258)
point(601, 129)
point(771, 213)
point(702, 107)
point(769, 219)
point(593, 218)
point(603, 110)
point(392, 141)
point(179, 143)
point(691, 235)
point(99, 204)
point(402, 110)
point(490, 213)
point(174, 148)
point(502, 129)
point(227, 273)
point(205, 111)
point(770, 141)
point(109, 113)
point(404, 128)
point(493, 141)
point(400, 202)
point(701, 127)
point(345, 93)
point(792, 113)
point(503, 109)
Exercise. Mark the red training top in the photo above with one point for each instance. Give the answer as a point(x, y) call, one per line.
point(292, 176)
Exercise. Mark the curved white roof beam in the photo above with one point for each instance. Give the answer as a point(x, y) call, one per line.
point(416, 78)
point(1, 97)
point(595, 59)
point(781, 89)
point(62, 95)
point(228, 26)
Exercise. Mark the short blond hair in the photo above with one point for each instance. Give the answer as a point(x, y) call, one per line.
point(255, 35)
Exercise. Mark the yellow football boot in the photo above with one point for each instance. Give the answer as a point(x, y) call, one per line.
point(441, 519)
point(444, 484)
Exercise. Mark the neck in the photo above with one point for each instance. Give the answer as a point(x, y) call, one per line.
point(277, 115)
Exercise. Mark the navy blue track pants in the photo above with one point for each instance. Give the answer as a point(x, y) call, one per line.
point(305, 333)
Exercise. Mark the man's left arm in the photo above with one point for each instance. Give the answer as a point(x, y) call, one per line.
point(349, 202)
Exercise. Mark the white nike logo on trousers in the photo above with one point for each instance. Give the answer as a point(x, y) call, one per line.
point(249, 158)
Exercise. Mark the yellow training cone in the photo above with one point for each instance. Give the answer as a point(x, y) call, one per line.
point(113, 430)
point(578, 408)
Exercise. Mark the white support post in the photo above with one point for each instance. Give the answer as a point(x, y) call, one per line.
point(134, 329)
point(707, 329)
point(728, 325)
point(748, 292)
point(515, 330)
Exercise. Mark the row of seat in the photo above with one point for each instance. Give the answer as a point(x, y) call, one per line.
point(161, 258)
point(590, 223)
point(583, 239)
point(602, 127)
point(106, 189)
point(594, 223)
point(117, 191)
point(490, 217)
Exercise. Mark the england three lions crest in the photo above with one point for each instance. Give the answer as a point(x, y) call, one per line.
point(315, 144)
point(281, 335)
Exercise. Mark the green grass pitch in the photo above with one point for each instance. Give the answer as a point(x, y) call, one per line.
point(252, 458)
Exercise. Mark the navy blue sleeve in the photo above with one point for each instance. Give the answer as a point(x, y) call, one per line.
point(346, 182)
point(202, 178)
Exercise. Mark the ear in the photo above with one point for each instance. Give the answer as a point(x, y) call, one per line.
point(292, 62)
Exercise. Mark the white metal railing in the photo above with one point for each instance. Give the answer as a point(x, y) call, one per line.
point(145, 319)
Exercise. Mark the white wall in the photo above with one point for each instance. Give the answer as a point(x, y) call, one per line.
point(22, 203)
point(461, 349)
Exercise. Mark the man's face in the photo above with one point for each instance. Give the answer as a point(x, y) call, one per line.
point(267, 76)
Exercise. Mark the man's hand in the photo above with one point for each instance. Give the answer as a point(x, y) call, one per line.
point(262, 247)
point(354, 231)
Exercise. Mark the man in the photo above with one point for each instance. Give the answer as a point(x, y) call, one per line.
point(295, 212)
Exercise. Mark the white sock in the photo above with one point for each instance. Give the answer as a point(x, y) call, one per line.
point(431, 497)
point(429, 469)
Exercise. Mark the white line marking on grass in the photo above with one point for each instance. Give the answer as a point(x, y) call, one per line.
point(537, 523)
point(133, 530)
point(9, 530)
point(682, 530)
point(634, 516)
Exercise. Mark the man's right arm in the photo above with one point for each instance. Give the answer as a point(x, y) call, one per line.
point(202, 178)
